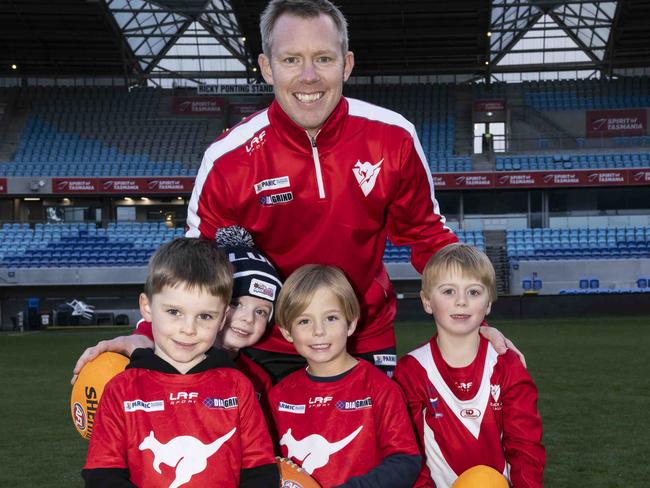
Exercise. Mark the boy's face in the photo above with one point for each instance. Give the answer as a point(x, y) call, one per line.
point(184, 322)
point(246, 322)
point(458, 303)
point(320, 335)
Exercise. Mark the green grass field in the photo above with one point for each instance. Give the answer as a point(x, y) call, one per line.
point(593, 377)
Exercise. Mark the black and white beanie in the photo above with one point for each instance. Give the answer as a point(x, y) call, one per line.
point(253, 273)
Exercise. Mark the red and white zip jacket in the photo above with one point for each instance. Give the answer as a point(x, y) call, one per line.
point(330, 200)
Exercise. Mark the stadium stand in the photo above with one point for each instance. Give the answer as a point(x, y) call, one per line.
point(602, 243)
point(81, 244)
point(105, 132)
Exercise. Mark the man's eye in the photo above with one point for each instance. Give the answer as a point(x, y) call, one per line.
point(324, 59)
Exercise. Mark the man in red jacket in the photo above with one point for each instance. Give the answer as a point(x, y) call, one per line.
point(319, 178)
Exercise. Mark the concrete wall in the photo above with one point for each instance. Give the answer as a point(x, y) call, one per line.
point(557, 275)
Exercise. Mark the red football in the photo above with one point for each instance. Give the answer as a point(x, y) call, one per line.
point(293, 476)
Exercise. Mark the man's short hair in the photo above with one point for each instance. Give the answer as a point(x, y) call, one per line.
point(192, 263)
point(300, 288)
point(467, 260)
point(306, 9)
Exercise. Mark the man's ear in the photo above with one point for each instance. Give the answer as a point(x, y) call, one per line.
point(348, 64)
point(286, 334)
point(265, 68)
point(145, 307)
point(426, 303)
point(352, 326)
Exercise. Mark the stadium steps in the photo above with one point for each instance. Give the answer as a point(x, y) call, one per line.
point(495, 248)
point(463, 106)
point(12, 124)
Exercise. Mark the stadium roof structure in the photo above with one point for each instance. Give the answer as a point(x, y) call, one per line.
point(201, 40)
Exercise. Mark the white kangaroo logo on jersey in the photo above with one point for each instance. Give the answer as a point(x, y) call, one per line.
point(186, 453)
point(366, 174)
point(314, 450)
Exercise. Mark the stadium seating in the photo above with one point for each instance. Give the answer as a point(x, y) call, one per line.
point(81, 244)
point(105, 132)
point(523, 162)
point(601, 243)
point(587, 94)
point(397, 254)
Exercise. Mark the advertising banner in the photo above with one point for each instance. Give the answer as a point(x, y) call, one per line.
point(198, 106)
point(613, 123)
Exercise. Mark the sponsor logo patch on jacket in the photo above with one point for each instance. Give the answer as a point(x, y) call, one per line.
point(385, 359)
point(221, 403)
point(272, 184)
point(277, 198)
point(354, 404)
point(153, 406)
point(288, 407)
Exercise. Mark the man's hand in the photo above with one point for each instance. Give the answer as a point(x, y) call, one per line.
point(123, 344)
point(500, 342)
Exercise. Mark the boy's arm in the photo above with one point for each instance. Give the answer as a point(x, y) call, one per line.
point(106, 464)
point(416, 403)
point(259, 469)
point(396, 441)
point(107, 478)
point(522, 429)
point(399, 470)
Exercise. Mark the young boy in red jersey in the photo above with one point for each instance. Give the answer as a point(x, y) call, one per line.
point(341, 419)
point(256, 284)
point(470, 406)
point(182, 414)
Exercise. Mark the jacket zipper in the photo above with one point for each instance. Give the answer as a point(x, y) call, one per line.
point(319, 174)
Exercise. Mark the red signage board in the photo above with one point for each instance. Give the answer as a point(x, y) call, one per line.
point(612, 123)
point(3, 185)
point(122, 185)
point(214, 106)
point(541, 179)
point(493, 105)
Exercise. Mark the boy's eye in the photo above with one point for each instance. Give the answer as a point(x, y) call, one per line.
point(234, 305)
point(448, 291)
point(173, 311)
point(475, 292)
point(302, 322)
point(332, 318)
point(262, 313)
point(205, 316)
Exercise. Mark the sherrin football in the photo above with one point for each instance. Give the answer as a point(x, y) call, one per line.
point(293, 476)
point(480, 477)
point(88, 389)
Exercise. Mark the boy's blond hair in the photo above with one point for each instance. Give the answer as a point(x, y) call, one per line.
point(470, 261)
point(193, 263)
point(299, 289)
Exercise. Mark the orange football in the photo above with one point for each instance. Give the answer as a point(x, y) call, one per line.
point(481, 477)
point(293, 476)
point(89, 387)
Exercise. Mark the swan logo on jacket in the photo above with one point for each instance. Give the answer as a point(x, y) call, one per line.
point(366, 174)
point(186, 454)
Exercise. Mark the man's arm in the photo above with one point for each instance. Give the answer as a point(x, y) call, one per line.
point(414, 216)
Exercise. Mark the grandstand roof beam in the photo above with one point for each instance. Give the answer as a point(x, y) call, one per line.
point(516, 38)
point(569, 32)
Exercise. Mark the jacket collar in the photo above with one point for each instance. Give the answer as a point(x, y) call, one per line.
point(297, 138)
point(146, 359)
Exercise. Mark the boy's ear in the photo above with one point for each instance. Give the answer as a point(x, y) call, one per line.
point(425, 302)
point(145, 307)
point(352, 326)
point(286, 334)
point(487, 310)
